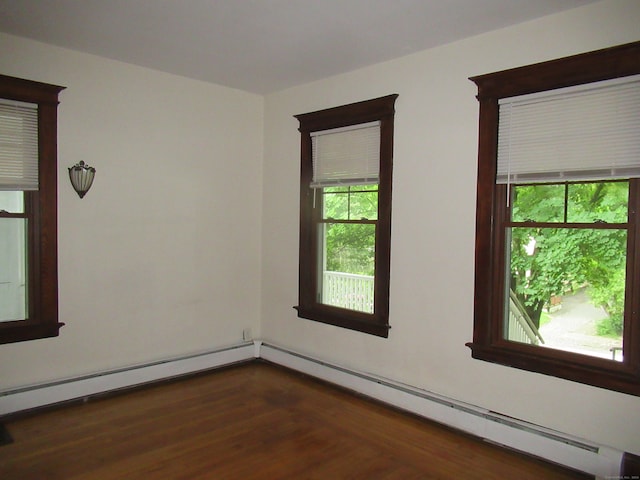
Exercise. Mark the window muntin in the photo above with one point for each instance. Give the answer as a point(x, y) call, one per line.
point(492, 263)
point(28, 210)
point(345, 215)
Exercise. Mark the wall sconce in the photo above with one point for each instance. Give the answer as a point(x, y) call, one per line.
point(81, 176)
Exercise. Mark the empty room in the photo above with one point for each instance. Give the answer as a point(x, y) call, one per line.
point(319, 239)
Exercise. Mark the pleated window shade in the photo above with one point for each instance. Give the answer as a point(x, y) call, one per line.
point(587, 132)
point(346, 156)
point(18, 146)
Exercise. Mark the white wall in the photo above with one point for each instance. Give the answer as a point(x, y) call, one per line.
point(433, 226)
point(187, 238)
point(162, 257)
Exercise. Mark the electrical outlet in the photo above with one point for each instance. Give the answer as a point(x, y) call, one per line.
point(246, 334)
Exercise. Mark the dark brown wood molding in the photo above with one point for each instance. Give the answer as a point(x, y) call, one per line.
point(378, 109)
point(43, 210)
point(28, 90)
point(630, 467)
point(349, 319)
point(344, 115)
point(613, 62)
point(488, 344)
point(20, 331)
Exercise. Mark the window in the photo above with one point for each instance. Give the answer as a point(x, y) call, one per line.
point(28, 210)
point(557, 274)
point(345, 215)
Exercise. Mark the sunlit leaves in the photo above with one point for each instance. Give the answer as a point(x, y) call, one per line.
point(350, 247)
point(552, 261)
point(351, 203)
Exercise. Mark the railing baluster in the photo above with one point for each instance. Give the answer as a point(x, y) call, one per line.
point(348, 290)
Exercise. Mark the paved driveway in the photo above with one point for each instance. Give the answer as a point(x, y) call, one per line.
point(573, 328)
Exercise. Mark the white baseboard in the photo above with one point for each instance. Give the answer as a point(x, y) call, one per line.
point(557, 447)
point(27, 398)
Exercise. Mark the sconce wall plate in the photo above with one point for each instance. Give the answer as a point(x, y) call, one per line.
point(81, 176)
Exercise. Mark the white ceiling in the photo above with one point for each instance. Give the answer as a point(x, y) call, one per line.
point(262, 46)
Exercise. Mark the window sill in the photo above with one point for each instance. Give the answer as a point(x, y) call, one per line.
point(12, 332)
point(616, 376)
point(349, 319)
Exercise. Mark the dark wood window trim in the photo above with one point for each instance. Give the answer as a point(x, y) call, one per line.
point(630, 466)
point(41, 210)
point(379, 109)
point(488, 343)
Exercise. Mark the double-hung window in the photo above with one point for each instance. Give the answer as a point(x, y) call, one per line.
point(557, 286)
point(28, 210)
point(345, 215)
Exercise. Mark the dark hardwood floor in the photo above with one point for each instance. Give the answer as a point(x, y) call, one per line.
point(252, 421)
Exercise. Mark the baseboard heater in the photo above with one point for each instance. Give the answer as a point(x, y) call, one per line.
point(553, 446)
point(40, 395)
point(550, 445)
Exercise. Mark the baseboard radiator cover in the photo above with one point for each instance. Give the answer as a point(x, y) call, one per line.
point(598, 460)
point(51, 393)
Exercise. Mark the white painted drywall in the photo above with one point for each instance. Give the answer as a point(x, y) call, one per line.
point(187, 237)
point(162, 257)
point(434, 192)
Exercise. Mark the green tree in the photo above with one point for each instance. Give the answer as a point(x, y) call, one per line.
point(350, 247)
point(547, 261)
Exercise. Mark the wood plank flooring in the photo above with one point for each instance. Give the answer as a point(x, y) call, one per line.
point(253, 421)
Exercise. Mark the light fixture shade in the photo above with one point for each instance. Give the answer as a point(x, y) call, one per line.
point(81, 176)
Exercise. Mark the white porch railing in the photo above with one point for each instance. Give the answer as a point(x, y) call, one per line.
point(521, 328)
point(347, 290)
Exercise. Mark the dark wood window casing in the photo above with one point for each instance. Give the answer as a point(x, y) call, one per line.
point(488, 342)
point(382, 110)
point(41, 213)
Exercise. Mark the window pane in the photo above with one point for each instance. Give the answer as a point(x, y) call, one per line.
point(364, 205)
point(12, 202)
point(586, 202)
point(593, 202)
point(347, 268)
point(336, 189)
point(350, 203)
point(336, 206)
point(538, 203)
point(566, 289)
point(13, 269)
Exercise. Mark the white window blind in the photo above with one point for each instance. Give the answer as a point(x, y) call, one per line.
point(18, 145)
point(346, 156)
point(587, 132)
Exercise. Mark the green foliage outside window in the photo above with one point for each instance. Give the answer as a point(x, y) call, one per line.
point(350, 247)
point(548, 261)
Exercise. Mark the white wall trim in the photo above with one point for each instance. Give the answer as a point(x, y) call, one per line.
point(553, 446)
point(34, 396)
